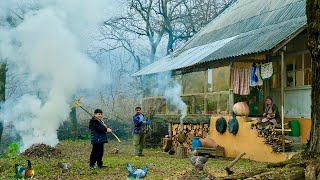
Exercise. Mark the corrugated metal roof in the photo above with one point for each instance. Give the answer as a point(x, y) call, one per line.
point(256, 25)
point(184, 59)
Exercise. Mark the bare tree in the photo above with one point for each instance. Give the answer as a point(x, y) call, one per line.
point(156, 21)
point(183, 18)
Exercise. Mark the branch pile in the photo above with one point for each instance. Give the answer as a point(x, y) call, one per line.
point(41, 150)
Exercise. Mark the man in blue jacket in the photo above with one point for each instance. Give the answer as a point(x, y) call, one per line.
point(139, 132)
point(98, 138)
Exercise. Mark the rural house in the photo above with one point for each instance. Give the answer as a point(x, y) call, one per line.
point(265, 37)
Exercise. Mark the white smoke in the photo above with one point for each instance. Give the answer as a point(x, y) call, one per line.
point(48, 49)
point(171, 89)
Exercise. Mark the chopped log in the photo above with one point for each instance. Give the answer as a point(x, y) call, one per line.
point(181, 151)
point(189, 131)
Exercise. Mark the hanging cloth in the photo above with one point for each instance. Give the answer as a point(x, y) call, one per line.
point(266, 70)
point(241, 81)
point(260, 82)
point(235, 80)
point(253, 76)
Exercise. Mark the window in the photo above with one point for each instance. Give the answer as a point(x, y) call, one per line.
point(298, 70)
point(218, 79)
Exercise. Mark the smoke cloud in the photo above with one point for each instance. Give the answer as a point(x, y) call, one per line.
point(171, 89)
point(47, 49)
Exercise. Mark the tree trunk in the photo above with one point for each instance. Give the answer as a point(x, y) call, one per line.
point(313, 27)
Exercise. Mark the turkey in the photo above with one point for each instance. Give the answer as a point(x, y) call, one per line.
point(198, 161)
point(136, 173)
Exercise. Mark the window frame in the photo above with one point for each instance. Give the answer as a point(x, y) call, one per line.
point(302, 53)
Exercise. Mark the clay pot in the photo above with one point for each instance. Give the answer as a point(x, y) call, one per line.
point(208, 142)
point(241, 109)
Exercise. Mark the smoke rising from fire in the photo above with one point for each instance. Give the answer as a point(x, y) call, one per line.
point(171, 89)
point(48, 50)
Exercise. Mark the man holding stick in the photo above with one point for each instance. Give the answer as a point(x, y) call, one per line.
point(139, 132)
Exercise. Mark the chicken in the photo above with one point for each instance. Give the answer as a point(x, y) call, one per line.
point(65, 167)
point(198, 161)
point(24, 172)
point(136, 173)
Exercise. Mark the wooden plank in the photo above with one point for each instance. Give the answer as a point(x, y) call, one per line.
point(285, 130)
point(217, 151)
point(208, 93)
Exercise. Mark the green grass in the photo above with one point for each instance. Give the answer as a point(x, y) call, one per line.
point(161, 165)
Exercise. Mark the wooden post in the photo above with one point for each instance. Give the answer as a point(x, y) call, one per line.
point(170, 130)
point(167, 106)
point(218, 104)
point(205, 99)
point(231, 97)
point(193, 105)
point(282, 97)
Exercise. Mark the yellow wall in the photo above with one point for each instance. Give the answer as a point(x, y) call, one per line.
point(246, 140)
point(305, 126)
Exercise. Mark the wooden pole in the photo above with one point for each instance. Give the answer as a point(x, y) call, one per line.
point(282, 98)
point(193, 104)
point(231, 98)
point(205, 98)
point(167, 106)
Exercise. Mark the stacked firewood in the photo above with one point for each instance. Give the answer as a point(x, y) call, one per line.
point(188, 131)
point(273, 136)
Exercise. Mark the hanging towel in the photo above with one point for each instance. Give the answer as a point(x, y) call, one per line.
point(266, 70)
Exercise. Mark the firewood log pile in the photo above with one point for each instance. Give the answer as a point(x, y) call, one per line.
point(273, 136)
point(189, 131)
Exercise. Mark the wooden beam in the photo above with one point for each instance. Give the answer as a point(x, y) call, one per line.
point(288, 39)
point(202, 94)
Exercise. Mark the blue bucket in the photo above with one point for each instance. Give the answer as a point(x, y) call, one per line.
point(195, 143)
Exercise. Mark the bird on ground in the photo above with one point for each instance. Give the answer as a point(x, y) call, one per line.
point(198, 161)
point(24, 172)
point(136, 173)
point(65, 167)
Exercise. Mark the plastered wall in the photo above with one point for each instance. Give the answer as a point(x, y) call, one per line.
point(246, 140)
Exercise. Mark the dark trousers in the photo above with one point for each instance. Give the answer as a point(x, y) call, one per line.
point(96, 154)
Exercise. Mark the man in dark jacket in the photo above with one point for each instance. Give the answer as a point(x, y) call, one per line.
point(98, 138)
point(139, 132)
